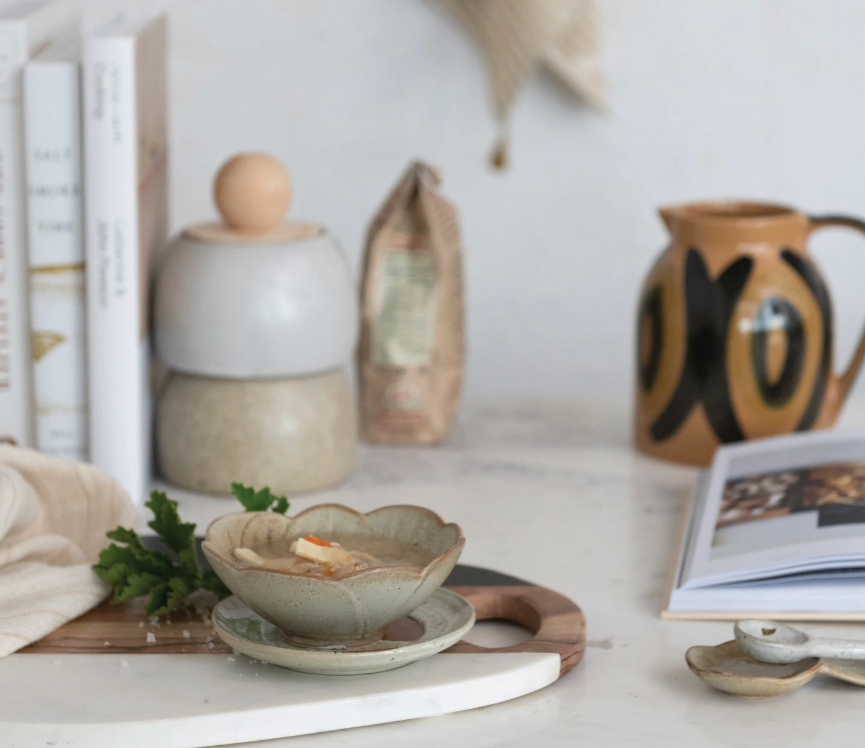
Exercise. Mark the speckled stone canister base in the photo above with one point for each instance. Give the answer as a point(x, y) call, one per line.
point(294, 435)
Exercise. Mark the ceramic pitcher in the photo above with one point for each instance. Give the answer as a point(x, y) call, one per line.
point(735, 331)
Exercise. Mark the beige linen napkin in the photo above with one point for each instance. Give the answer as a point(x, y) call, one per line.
point(54, 514)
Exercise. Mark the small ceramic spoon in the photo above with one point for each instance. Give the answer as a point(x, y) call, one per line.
point(778, 643)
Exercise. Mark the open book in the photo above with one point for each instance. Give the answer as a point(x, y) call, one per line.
point(776, 526)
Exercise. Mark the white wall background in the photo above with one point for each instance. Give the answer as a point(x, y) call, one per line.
point(716, 98)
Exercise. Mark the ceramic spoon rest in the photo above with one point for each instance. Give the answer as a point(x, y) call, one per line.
point(728, 668)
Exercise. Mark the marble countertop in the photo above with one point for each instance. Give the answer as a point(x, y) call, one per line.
point(606, 519)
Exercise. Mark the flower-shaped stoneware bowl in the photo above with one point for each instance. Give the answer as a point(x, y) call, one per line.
point(316, 612)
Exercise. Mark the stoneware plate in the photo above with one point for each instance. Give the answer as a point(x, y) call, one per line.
point(728, 668)
point(439, 623)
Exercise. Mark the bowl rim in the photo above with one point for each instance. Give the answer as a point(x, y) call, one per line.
point(208, 547)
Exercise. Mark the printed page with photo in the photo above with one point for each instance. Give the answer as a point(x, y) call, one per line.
point(790, 507)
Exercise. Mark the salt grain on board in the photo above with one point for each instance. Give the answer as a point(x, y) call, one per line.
point(230, 659)
point(151, 639)
point(185, 634)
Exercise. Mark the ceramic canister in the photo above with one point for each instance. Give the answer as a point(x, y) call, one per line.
point(255, 318)
point(735, 332)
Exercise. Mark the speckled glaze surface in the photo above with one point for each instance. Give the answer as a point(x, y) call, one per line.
point(780, 643)
point(728, 668)
point(324, 612)
point(444, 618)
point(294, 435)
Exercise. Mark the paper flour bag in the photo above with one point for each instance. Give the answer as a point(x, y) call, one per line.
point(411, 353)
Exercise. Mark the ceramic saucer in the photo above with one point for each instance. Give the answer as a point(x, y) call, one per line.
point(436, 625)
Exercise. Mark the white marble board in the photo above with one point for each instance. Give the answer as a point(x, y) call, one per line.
point(186, 701)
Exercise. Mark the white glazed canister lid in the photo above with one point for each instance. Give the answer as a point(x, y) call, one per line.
point(254, 297)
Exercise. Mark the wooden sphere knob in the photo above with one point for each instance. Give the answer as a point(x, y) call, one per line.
point(252, 191)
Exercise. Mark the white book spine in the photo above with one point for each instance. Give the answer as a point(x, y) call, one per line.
point(117, 339)
point(57, 302)
point(16, 412)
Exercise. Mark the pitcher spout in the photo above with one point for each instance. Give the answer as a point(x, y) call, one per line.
point(670, 216)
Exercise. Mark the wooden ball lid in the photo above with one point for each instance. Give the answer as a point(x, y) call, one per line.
point(252, 192)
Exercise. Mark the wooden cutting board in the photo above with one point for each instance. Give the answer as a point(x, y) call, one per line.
point(98, 682)
point(557, 624)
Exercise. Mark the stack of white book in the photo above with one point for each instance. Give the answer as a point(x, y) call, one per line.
point(83, 217)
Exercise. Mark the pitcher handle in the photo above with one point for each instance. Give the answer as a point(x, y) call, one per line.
point(846, 380)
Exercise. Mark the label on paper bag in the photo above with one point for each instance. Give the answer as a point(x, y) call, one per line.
point(404, 330)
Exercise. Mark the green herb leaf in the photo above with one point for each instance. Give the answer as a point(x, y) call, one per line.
point(246, 496)
point(259, 501)
point(177, 536)
point(134, 570)
point(124, 535)
point(167, 596)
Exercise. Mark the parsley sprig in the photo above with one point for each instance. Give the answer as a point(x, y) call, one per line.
point(169, 577)
point(259, 501)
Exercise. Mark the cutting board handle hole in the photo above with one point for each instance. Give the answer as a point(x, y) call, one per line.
point(494, 633)
point(491, 605)
point(557, 625)
point(502, 620)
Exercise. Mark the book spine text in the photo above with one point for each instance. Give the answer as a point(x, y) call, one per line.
point(117, 355)
point(54, 219)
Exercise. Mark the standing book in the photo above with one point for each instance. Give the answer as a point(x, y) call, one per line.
point(52, 125)
point(126, 229)
point(25, 28)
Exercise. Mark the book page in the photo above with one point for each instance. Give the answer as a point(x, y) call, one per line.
point(780, 507)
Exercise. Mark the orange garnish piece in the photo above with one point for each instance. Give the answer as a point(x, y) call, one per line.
point(317, 541)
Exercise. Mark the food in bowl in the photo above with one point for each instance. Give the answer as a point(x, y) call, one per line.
point(413, 549)
point(329, 559)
